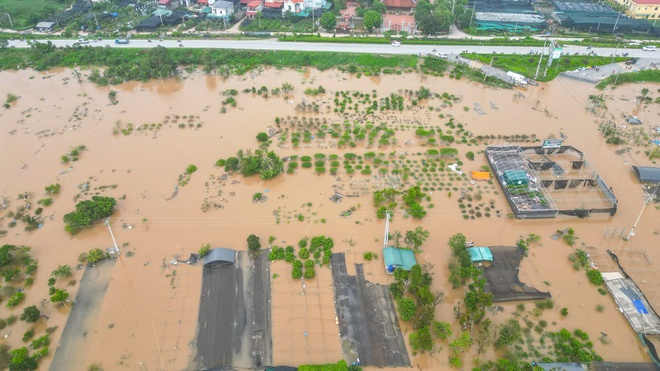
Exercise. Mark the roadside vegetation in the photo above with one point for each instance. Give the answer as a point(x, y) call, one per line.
point(630, 77)
point(161, 62)
point(526, 65)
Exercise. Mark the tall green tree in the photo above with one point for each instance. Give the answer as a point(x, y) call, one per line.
point(328, 21)
point(378, 7)
point(372, 19)
point(31, 314)
point(21, 360)
point(88, 211)
point(416, 237)
point(253, 244)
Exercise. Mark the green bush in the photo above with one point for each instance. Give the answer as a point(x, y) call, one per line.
point(310, 273)
point(191, 169)
point(595, 277)
point(87, 212)
point(262, 137)
point(407, 308)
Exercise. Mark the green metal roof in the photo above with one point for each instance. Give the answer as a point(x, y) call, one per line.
point(516, 177)
point(479, 254)
point(395, 257)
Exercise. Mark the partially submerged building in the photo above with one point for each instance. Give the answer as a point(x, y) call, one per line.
point(542, 182)
point(480, 254)
point(647, 174)
point(395, 257)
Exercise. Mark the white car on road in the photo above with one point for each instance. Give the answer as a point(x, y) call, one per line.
point(649, 48)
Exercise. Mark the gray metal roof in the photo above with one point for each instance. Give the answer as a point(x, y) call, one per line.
point(220, 255)
point(222, 4)
point(44, 25)
point(647, 174)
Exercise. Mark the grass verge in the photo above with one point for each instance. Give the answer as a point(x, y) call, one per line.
point(640, 76)
point(145, 64)
point(526, 64)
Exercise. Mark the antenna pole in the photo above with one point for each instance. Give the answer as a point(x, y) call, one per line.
point(387, 230)
point(107, 222)
point(648, 197)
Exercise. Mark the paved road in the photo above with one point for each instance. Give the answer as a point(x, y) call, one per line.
point(273, 44)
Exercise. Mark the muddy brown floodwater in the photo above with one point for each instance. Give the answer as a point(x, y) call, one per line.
point(148, 317)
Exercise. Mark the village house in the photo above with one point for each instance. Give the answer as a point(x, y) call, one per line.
point(168, 4)
point(273, 9)
point(222, 8)
point(642, 9)
point(204, 3)
point(294, 6)
point(253, 7)
point(400, 5)
point(315, 4)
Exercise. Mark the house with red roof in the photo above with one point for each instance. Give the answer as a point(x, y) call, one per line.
point(642, 9)
point(204, 3)
point(168, 4)
point(253, 7)
point(400, 5)
point(273, 4)
point(273, 9)
point(294, 6)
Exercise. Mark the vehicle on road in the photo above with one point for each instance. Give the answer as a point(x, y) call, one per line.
point(121, 41)
point(441, 55)
point(83, 41)
point(649, 48)
point(396, 43)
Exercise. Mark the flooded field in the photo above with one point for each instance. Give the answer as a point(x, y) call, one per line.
point(140, 137)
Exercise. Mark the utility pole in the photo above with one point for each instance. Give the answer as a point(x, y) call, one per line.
point(616, 23)
point(107, 222)
point(615, 51)
point(648, 197)
point(386, 240)
point(97, 22)
point(538, 67)
point(472, 16)
point(617, 75)
point(10, 22)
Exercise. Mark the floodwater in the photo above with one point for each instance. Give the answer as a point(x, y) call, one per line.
point(149, 315)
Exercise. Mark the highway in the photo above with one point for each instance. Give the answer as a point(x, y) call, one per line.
point(273, 44)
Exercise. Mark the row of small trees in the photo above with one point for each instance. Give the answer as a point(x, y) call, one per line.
point(385, 201)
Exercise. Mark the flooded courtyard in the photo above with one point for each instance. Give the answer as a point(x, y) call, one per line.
point(140, 139)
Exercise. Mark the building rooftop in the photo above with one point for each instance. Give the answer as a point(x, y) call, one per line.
point(647, 2)
point(647, 174)
point(395, 257)
point(222, 4)
point(399, 3)
point(632, 303)
point(480, 254)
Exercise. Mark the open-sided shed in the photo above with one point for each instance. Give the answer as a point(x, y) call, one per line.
point(220, 256)
point(647, 174)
